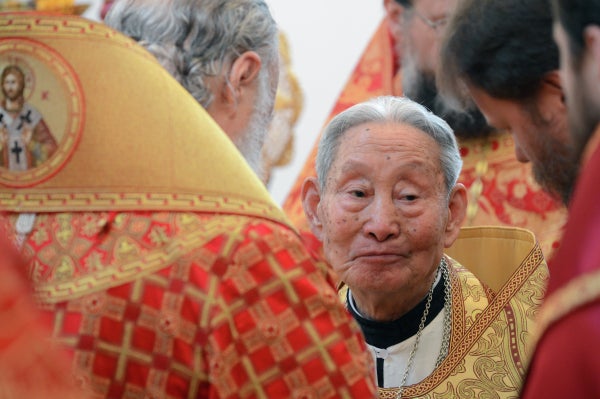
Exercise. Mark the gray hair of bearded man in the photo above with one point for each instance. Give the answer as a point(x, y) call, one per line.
point(389, 109)
point(197, 39)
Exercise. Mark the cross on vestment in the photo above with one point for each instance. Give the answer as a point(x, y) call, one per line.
point(17, 151)
point(25, 118)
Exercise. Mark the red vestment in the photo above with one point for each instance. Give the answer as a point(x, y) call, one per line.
point(30, 367)
point(566, 363)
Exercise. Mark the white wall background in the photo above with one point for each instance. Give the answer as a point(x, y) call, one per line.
point(325, 37)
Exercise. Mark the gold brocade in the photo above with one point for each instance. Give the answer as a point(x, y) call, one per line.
point(183, 161)
point(502, 191)
point(69, 263)
point(491, 322)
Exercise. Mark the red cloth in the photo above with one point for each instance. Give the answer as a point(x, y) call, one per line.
point(29, 366)
point(566, 363)
point(234, 307)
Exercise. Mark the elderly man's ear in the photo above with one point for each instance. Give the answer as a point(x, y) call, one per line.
point(311, 197)
point(457, 209)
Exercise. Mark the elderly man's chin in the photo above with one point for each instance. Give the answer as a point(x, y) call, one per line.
point(377, 273)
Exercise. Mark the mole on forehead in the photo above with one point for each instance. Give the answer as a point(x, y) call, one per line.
point(388, 141)
point(379, 126)
point(410, 163)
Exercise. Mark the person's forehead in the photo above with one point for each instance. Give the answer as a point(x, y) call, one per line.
point(384, 137)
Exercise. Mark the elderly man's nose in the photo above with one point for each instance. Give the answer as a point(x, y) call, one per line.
point(383, 222)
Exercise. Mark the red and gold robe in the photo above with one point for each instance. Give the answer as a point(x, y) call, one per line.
point(502, 191)
point(498, 277)
point(566, 363)
point(30, 367)
point(157, 255)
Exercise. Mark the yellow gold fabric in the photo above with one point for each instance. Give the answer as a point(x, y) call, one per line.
point(490, 327)
point(180, 151)
point(493, 253)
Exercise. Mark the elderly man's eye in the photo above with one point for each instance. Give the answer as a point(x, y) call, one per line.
point(410, 197)
point(358, 193)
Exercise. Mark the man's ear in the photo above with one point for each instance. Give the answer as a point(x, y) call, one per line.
point(550, 99)
point(242, 75)
point(457, 208)
point(311, 198)
point(554, 85)
point(393, 10)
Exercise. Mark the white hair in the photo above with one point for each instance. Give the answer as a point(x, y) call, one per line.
point(196, 39)
point(396, 110)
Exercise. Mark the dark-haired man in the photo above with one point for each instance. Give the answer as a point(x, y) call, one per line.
point(566, 363)
point(514, 92)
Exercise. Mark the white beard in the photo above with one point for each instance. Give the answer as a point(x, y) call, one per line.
point(251, 142)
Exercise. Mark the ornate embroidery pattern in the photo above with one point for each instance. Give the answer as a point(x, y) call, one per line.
point(487, 356)
point(65, 26)
point(166, 324)
point(66, 90)
point(130, 201)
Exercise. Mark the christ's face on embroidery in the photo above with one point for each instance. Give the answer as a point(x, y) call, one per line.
point(12, 86)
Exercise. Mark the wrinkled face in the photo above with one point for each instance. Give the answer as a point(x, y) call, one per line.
point(384, 209)
point(545, 144)
point(12, 86)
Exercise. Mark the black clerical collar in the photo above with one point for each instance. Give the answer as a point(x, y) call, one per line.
point(388, 333)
